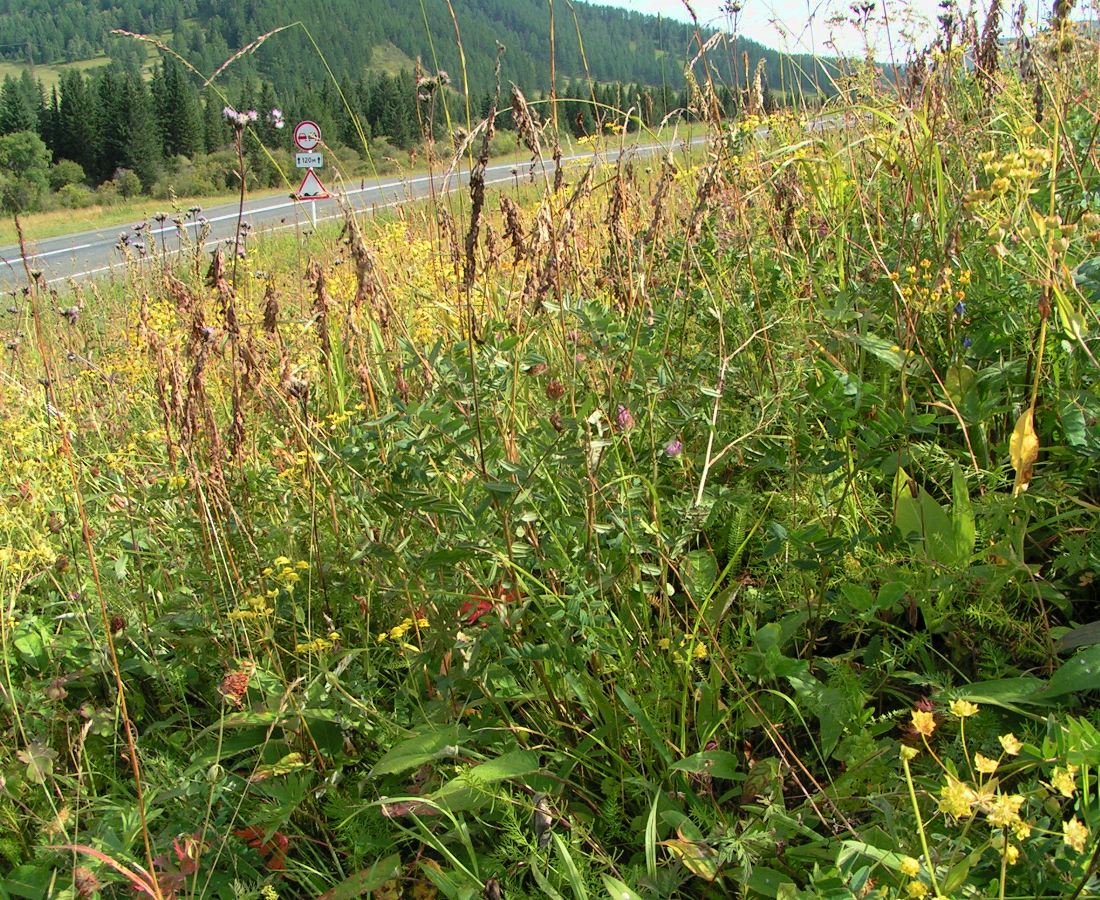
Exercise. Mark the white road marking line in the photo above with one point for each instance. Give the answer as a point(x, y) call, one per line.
point(526, 167)
point(518, 169)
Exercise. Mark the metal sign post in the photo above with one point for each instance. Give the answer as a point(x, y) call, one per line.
point(307, 137)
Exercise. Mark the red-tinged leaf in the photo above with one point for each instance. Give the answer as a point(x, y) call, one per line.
point(139, 880)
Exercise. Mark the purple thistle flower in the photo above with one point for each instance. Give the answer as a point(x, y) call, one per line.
point(674, 448)
point(623, 419)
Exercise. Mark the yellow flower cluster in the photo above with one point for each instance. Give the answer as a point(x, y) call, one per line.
point(1011, 170)
point(318, 644)
point(285, 572)
point(254, 607)
point(684, 652)
point(928, 291)
point(960, 800)
point(398, 632)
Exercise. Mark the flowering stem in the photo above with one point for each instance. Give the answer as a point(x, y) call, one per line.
point(920, 826)
point(1004, 867)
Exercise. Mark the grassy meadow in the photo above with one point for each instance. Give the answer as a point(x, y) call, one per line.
point(690, 528)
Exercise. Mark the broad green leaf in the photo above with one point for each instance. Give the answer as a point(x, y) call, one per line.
point(959, 380)
point(1081, 636)
point(365, 881)
point(887, 351)
point(766, 882)
point(1081, 673)
point(921, 519)
point(467, 790)
point(699, 570)
point(616, 890)
point(38, 759)
point(1009, 693)
point(430, 744)
point(718, 763)
point(889, 858)
point(962, 515)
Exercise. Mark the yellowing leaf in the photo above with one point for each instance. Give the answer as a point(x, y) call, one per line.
point(1023, 449)
point(699, 857)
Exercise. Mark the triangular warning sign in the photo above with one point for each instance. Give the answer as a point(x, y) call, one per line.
point(311, 188)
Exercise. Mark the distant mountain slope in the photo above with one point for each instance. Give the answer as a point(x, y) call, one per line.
point(619, 45)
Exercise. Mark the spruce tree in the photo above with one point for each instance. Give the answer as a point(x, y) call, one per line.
point(16, 111)
point(177, 111)
point(76, 136)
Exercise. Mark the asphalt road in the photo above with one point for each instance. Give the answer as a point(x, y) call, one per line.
point(96, 253)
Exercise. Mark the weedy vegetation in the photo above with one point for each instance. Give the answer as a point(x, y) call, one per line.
point(679, 527)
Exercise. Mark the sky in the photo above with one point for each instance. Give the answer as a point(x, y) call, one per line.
point(811, 25)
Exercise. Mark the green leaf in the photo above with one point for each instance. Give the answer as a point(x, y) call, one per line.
point(888, 352)
point(616, 890)
point(645, 724)
point(766, 882)
point(923, 521)
point(849, 849)
point(718, 763)
point(27, 881)
point(370, 879)
point(1081, 673)
point(421, 748)
point(467, 791)
point(575, 880)
point(30, 643)
point(1009, 693)
point(962, 515)
point(39, 761)
point(1081, 636)
point(699, 570)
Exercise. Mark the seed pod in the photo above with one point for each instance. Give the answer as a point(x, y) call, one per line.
point(543, 821)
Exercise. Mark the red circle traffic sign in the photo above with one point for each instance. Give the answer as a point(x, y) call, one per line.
point(307, 135)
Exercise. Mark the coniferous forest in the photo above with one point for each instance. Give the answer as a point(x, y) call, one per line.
point(145, 124)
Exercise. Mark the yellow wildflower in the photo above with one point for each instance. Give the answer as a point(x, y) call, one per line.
point(1010, 745)
point(909, 867)
point(963, 708)
point(924, 722)
point(957, 799)
point(1074, 834)
point(700, 652)
point(664, 644)
point(1005, 811)
point(916, 889)
point(908, 753)
point(984, 764)
point(1063, 781)
point(1011, 854)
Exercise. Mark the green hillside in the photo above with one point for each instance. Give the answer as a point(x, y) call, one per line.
point(350, 33)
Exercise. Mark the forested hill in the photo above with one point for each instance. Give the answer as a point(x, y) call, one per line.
point(619, 45)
